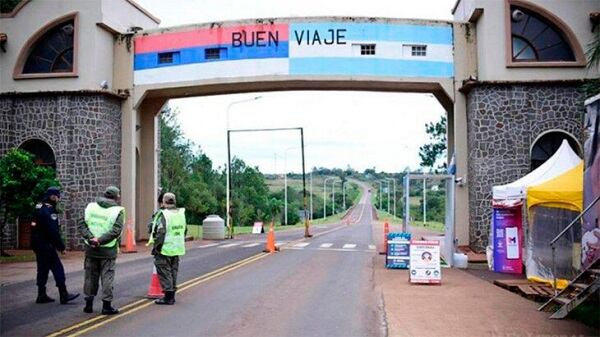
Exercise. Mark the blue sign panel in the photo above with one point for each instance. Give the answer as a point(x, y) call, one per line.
point(398, 250)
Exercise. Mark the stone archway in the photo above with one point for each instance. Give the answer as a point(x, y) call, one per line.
point(43, 155)
point(546, 145)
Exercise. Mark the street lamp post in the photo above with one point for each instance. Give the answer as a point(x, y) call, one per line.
point(325, 196)
point(344, 194)
point(394, 181)
point(285, 192)
point(311, 194)
point(228, 171)
point(380, 196)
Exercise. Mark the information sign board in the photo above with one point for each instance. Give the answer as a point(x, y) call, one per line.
point(425, 262)
point(258, 228)
point(398, 250)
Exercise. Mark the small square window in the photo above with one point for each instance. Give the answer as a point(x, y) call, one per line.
point(215, 53)
point(168, 57)
point(418, 50)
point(367, 49)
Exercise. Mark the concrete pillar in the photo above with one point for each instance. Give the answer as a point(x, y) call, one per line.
point(465, 65)
point(149, 154)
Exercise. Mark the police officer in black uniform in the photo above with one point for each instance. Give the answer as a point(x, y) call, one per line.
point(46, 242)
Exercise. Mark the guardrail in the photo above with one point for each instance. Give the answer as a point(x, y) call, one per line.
point(563, 233)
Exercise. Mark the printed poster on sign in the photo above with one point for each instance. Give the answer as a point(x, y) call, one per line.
point(425, 262)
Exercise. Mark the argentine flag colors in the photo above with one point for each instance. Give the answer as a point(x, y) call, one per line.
point(286, 49)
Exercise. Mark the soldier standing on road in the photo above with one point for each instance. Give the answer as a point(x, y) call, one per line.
point(101, 230)
point(46, 241)
point(168, 237)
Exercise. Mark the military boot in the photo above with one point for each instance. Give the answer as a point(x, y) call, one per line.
point(65, 296)
point(42, 297)
point(107, 309)
point(168, 299)
point(89, 305)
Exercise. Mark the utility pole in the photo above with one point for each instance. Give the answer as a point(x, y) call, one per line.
point(229, 223)
point(380, 196)
point(424, 201)
point(344, 194)
point(311, 194)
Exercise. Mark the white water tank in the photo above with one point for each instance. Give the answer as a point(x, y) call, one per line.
point(213, 228)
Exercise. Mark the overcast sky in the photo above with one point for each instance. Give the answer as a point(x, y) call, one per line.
point(360, 129)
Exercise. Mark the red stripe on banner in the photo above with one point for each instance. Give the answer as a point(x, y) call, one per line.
point(203, 37)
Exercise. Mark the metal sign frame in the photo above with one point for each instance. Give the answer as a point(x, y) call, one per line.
point(449, 230)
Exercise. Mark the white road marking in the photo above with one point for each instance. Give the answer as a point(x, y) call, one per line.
point(326, 245)
point(251, 245)
point(230, 245)
point(372, 247)
point(302, 244)
point(208, 245)
point(349, 246)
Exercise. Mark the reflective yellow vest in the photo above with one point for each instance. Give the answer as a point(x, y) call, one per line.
point(174, 244)
point(100, 220)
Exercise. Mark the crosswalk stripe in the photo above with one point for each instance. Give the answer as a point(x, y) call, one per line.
point(229, 245)
point(372, 247)
point(302, 244)
point(208, 245)
point(326, 245)
point(349, 246)
point(251, 245)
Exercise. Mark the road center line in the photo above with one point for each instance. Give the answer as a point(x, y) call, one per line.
point(146, 302)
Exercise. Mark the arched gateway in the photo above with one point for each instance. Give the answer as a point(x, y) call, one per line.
point(96, 96)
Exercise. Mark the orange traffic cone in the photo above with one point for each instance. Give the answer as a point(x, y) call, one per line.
point(129, 239)
point(155, 290)
point(270, 246)
point(386, 230)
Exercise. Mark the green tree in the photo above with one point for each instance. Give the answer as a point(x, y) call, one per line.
point(22, 183)
point(188, 172)
point(431, 152)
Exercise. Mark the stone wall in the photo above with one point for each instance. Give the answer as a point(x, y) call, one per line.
point(84, 130)
point(503, 122)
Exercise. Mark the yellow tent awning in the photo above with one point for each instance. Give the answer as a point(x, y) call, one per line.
point(564, 191)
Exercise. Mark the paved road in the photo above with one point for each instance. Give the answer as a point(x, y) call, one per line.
point(316, 287)
point(20, 316)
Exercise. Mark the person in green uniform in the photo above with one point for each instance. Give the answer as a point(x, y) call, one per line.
point(101, 230)
point(168, 237)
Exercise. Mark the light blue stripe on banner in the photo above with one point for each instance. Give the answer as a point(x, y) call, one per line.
point(373, 32)
point(370, 67)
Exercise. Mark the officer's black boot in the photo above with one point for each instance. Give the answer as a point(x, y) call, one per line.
point(107, 309)
point(42, 297)
point(65, 296)
point(89, 305)
point(168, 299)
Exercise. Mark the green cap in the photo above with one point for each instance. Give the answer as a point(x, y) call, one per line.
point(112, 192)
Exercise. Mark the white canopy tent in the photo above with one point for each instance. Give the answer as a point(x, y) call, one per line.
point(562, 161)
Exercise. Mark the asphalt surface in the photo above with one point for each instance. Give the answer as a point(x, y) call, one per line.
point(321, 286)
point(20, 316)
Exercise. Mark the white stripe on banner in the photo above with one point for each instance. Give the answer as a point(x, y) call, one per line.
point(212, 70)
point(383, 50)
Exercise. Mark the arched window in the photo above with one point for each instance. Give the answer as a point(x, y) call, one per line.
point(51, 52)
point(547, 144)
point(42, 152)
point(539, 38)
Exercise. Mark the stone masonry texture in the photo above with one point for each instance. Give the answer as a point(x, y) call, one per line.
point(503, 122)
point(84, 130)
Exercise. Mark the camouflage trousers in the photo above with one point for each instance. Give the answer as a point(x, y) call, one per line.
point(167, 268)
point(97, 269)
